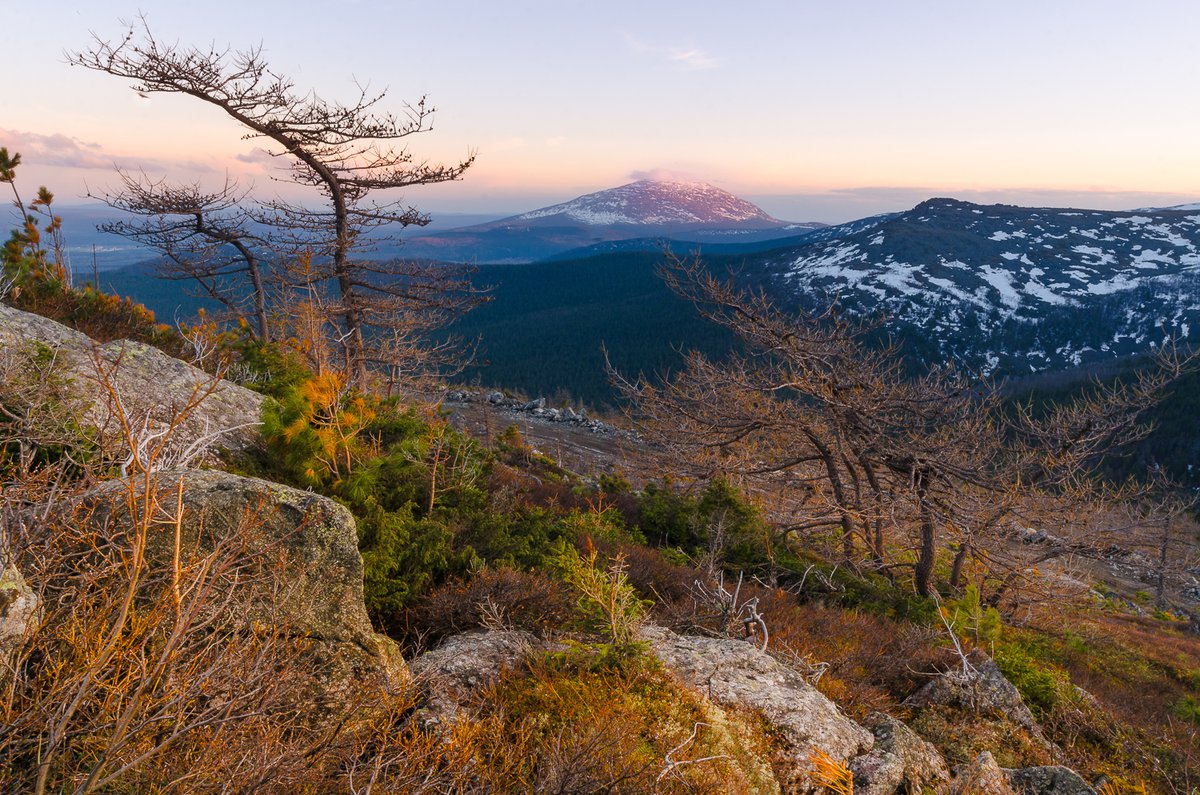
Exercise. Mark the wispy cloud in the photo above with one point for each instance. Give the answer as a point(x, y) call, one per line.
point(257, 157)
point(57, 149)
point(690, 58)
point(664, 175)
point(693, 59)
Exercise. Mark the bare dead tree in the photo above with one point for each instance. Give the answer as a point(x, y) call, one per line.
point(205, 236)
point(346, 152)
point(873, 453)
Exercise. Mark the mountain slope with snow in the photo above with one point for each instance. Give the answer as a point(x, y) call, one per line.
point(1009, 288)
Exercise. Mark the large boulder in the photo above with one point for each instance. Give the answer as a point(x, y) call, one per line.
point(735, 673)
point(150, 384)
point(319, 597)
point(983, 690)
point(465, 664)
point(982, 775)
point(900, 761)
point(453, 675)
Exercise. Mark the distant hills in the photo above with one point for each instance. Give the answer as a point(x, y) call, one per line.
point(647, 210)
point(1007, 291)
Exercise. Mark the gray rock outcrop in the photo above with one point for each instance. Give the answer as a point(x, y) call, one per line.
point(900, 761)
point(735, 673)
point(464, 664)
point(984, 775)
point(984, 690)
point(981, 775)
point(320, 595)
point(536, 409)
point(149, 382)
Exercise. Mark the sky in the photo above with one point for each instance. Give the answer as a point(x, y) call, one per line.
point(814, 110)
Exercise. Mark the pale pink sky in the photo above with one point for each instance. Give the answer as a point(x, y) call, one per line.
point(817, 111)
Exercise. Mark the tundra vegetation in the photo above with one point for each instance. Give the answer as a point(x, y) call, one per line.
point(884, 527)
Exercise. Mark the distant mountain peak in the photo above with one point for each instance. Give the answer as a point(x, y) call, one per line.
point(650, 202)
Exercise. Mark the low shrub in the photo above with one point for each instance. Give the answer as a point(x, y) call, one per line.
point(1042, 685)
point(531, 601)
point(595, 730)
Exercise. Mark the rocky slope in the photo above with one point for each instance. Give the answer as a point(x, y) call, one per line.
point(315, 595)
point(152, 390)
point(125, 393)
point(886, 758)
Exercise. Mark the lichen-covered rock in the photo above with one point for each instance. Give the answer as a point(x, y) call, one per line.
point(162, 384)
point(735, 673)
point(18, 607)
point(463, 665)
point(317, 544)
point(148, 382)
point(877, 773)
point(983, 776)
point(900, 761)
point(1050, 780)
point(985, 691)
point(474, 660)
point(452, 676)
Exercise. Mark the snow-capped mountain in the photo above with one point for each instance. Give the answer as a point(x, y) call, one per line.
point(647, 210)
point(658, 203)
point(1008, 288)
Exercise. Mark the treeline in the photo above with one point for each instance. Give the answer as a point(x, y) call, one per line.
point(1173, 443)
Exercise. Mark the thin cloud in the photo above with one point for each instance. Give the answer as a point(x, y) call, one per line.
point(694, 59)
point(257, 157)
point(664, 175)
point(690, 58)
point(57, 149)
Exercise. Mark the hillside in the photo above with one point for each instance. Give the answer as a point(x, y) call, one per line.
point(546, 328)
point(498, 620)
point(1007, 290)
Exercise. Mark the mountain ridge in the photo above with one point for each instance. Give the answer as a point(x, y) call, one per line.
point(657, 203)
point(1007, 279)
point(654, 209)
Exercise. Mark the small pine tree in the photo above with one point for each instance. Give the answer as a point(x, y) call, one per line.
point(607, 602)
